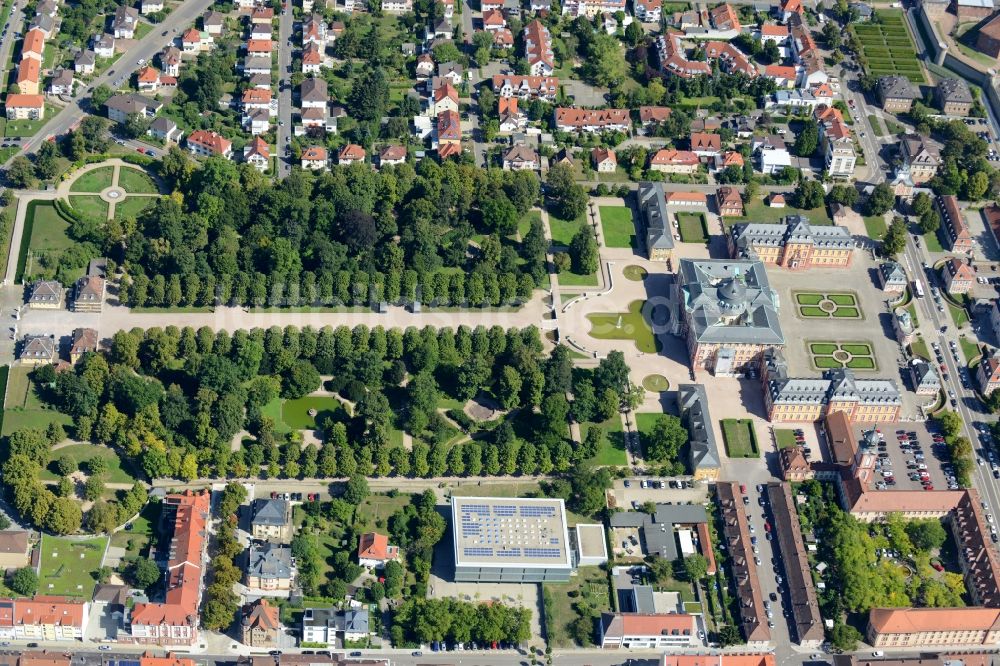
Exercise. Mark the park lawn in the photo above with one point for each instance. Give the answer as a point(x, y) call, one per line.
point(94, 181)
point(808, 298)
point(970, 349)
point(295, 413)
point(876, 125)
point(272, 410)
point(919, 348)
point(644, 422)
point(524, 224)
point(131, 207)
point(68, 567)
point(568, 278)
point(590, 584)
point(629, 325)
point(784, 438)
point(875, 227)
point(842, 299)
point(852, 313)
point(83, 453)
point(741, 442)
point(857, 349)
point(564, 230)
point(861, 363)
point(135, 181)
point(618, 226)
point(692, 227)
point(48, 228)
point(90, 205)
point(757, 211)
point(612, 451)
point(822, 348)
point(18, 419)
point(374, 512)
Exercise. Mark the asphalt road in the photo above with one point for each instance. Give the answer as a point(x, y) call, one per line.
point(284, 93)
point(144, 49)
point(968, 404)
point(15, 23)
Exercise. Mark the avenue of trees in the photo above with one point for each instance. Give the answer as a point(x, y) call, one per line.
point(421, 621)
point(170, 401)
point(352, 236)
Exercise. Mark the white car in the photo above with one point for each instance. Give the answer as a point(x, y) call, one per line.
point(141, 62)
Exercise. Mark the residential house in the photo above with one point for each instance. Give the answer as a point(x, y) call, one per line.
point(729, 201)
point(706, 146)
point(445, 98)
point(449, 128)
point(207, 144)
point(313, 93)
point(147, 7)
point(896, 94)
point(174, 621)
point(33, 45)
point(48, 618)
point(262, 81)
point(271, 519)
point(511, 119)
point(315, 31)
point(261, 31)
point(953, 220)
point(958, 276)
point(260, 624)
point(193, 40)
point(674, 161)
point(391, 156)
point(953, 96)
point(47, 8)
point(258, 99)
point(924, 377)
point(46, 295)
point(24, 107)
point(36, 350)
point(352, 153)
point(212, 22)
point(353, 624)
point(258, 153)
point(838, 145)
point(604, 160)
point(784, 76)
point(254, 66)
point(124, 23)
point(425, 66)
point(315, 158)
point(397, 6)
point(312, 59)
point(15, 549)
point(892, 277)
point(62, 82)
point(724, 18)
point(84, 62)
point(648, 11)
point(571, 119)
point(148, 79)
point(452, 71)
point(538, 49)
point(43, 23)
point(262, 15)
point(521, 157)
point(730, 158)
point(647, 631)
point(121, 106)
point(988, 372)
point(170, 61)
point(165, 130)
point(28, 76)
point(494, 20)
point(319, 626)
point(83, 341)
point(88, 295)
point(259, 48)
point(920, 157)
point(374, 550)
point(526, 87)
point(772, 32)
point(104, 46)
point(269, 567)
point(771, 154)
point(651, 116)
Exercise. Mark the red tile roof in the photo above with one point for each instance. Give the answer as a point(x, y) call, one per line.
point(375, 546)
point(314, 154)
point(34, 42)
point(24, 101)
point(351, 151)
point(213, 142)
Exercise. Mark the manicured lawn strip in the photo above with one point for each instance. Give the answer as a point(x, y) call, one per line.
point(605, 326)
point(857, 350)
point(958, 315)
point(784, 438)
point(68, 566)
point(94, 181)
point(135, 181)
point(812, 311)
point(874, 121)
point(808, 299)
point(90, 205)
point(571, 279)
point(827, 362)
point(861, 363)
point(933, 241)
point(846, 312)
point(842, 299)
point(693, 228)
point(970, 349)
point(563, 230)
point(822, 348)
point(741, 442)
point(19, 419)
point(919, 348)
point(618, 226)
point(82, 453)
point(48, 230)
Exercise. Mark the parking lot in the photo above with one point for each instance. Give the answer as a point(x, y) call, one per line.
point(627, 494)
point(903, 451)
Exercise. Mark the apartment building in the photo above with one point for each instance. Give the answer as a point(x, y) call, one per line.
point(43, 618)
point(953, 220)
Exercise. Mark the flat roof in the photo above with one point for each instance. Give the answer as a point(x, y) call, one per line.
point(510, 532)
point(591, 541)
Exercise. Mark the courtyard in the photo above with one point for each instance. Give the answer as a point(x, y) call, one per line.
point(853, 355)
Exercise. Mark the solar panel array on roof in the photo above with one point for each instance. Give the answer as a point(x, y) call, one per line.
point(538, 511)
point(543, 552)
point(478, 552)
